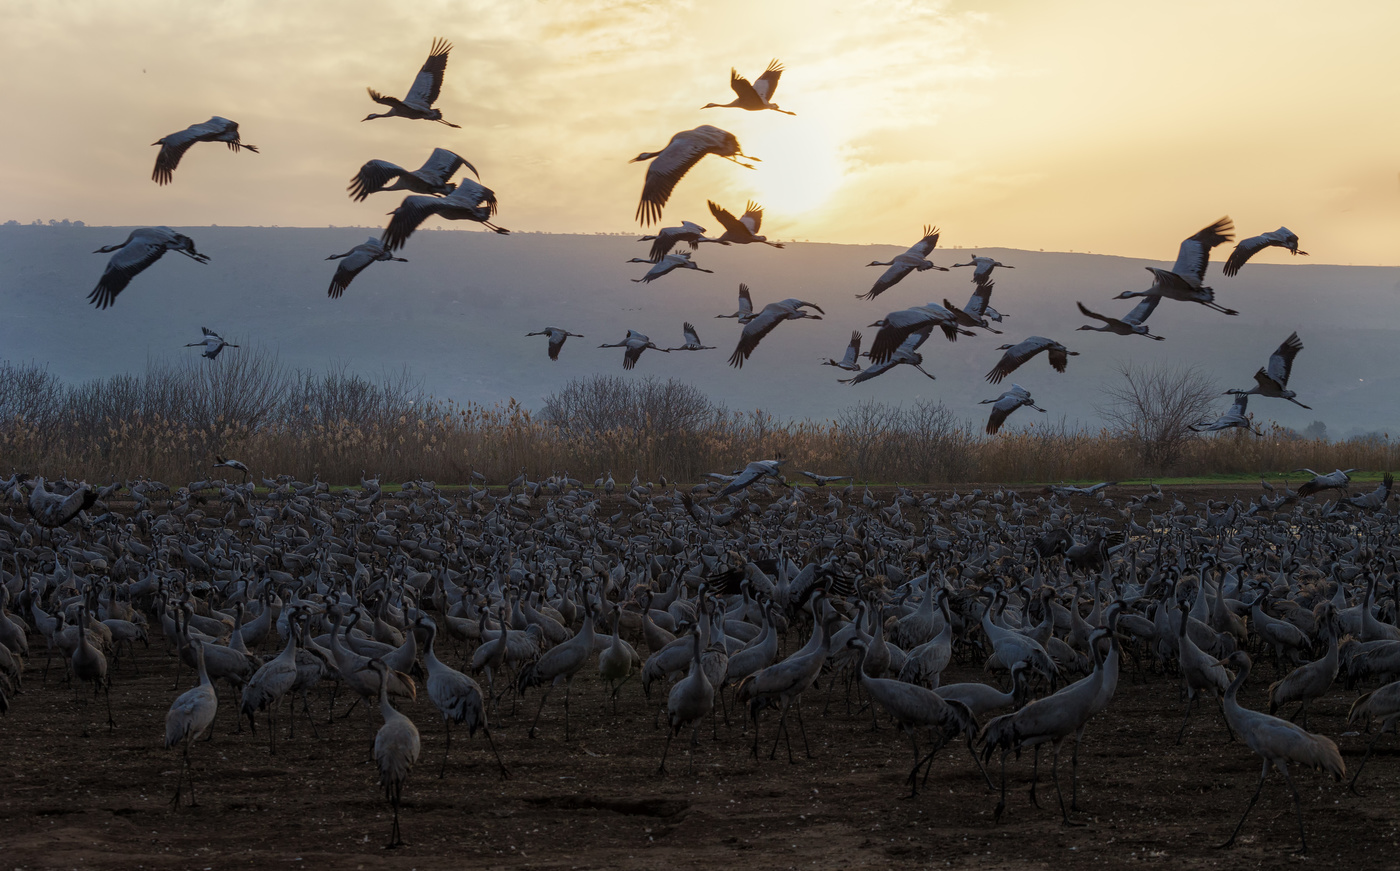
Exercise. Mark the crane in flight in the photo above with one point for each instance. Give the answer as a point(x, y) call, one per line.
point(745, 312)
point(141, 248)
point(669, 237)
point(635, 343)
point(557, 337)
point(740, 231)
point(1184, 282)
point(752, 473)
point(907, 352)
point(1280, 238)
point(212, 343)
point(766, 321)
point(1235, 417)
point(692, 340)
point(174, 146)
point(1006, 403)
point(1272, 380)
point(850, 362)
point(433, 177)
point(895, 327)
point(1130, 324)
point(424, 92)
point(982, 273)
point(1021, 352)
point(670, 164)
point(355, 261)
point(757, 96)
point(903, 264)
point(471, 201)
point(666, 265)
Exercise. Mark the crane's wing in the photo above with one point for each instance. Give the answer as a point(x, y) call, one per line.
point(1239, 406)
point(1059, 357)
point(1281, 361)
point(665, 239)
point(172, 148)
point(125, 264)
point(443, 164)
point(727, 219)
point(1141, 311)
point(350, 266)
point(745, 300)
point(632, 355)
point(1093, 314)
point(924, 247)
point(1015, 356)
point(980, 299)
point(691, 337)
point(870, 372)
point(1194, 253)
point(1001, 410)
point(753, 217)
point(750, 474)
point(475, 193)
point(428, 83)
point(372, 178)
point(664, 172)
point(556, 341)
point(754, 331)
point(912, 342)
point(412, 212)
point(742, 89)
point(889, 278)
point(767, 84)
point(1243, 251)
point(208, 333)
point(898, 327)
point(852, 350)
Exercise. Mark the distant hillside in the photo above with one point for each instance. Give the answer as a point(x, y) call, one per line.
point(457, 314)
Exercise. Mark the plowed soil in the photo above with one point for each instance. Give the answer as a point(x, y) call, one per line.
point(102, 799)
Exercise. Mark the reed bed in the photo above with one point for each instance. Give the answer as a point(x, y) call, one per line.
point(171, 421)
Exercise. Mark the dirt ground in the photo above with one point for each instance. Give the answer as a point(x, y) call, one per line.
point(103, 801)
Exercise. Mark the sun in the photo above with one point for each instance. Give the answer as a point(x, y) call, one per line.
point(800, 167)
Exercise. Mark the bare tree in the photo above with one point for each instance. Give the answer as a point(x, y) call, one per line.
point(1155, 405)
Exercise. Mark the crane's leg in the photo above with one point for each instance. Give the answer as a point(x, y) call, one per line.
point(1001, 802)
point(194, 802)
point(1074, 773)
point(1297, 809)
point(447, 724)
point(107, 694)
point(180, 780)
point(543, 696)
point(1369, 747)
point(306, 709)
point(694, 745)
point(1182, 731)
point(661, 769)
point(568, 685)
point(782, 730)
point(913, 772)
point(802, 727)
point(505, 775)
point(972, 751)
point(1035, 774)
point(1055, 775)
point(1260, 788)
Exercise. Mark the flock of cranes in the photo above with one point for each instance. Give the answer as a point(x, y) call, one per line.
point(435, 190)
point(299, 592)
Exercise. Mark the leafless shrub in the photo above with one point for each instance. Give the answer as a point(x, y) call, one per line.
point(1154, 407)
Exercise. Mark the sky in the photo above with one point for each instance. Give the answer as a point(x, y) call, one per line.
point(1085, 125)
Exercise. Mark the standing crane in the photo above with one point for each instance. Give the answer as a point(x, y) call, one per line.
point(670, 164)
point(1272, 380)
point(1280, 238)
point(355, 261)
point(174, 146)
point(396, 749)
point(903, 264)
point(559, 664)
point(190, 716)
point(141, 248)
point(424, 92)
point(1277, 742)
point(757, 96)
point(689, 701)
point(457, 697)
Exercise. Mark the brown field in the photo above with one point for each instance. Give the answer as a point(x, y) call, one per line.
point(595, 801)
